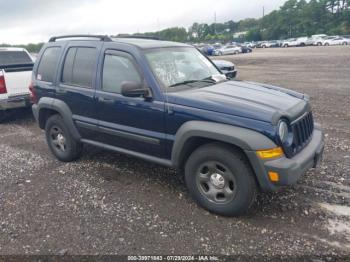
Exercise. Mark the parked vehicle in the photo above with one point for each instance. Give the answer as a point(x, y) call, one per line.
point(301, 41)
point(207, 50)
point(336, 41)
point(226, 67)
point(316, 40)
point(250, 44)
point(228, 50)
point(290, 42)
point(269, 44)
point(15, 73)
point(167, 103)
point(246, 49)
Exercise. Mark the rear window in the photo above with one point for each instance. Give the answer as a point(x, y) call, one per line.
point(79, 66)
point(14, 58)
point(48, 64)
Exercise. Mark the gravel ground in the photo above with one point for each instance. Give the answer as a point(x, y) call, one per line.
point(107, 203)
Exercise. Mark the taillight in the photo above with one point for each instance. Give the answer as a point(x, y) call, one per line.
point(33, 97)
point(3, 89)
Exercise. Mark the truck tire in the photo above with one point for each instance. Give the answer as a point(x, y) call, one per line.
point(220, 179)
point(61, 143)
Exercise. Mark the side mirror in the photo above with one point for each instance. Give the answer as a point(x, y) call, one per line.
point(134, 89)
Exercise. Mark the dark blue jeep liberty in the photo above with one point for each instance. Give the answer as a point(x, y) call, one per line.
point(167, 103)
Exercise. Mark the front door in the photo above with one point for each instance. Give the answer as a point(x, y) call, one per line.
point(131, 123)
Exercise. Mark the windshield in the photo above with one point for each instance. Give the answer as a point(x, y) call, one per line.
point(182, 66)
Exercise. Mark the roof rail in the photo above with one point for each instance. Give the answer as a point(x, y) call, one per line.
point(104, 38)
point(139, 37)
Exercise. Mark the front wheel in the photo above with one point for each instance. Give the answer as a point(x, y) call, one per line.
point(61, 143)
point(220, 179)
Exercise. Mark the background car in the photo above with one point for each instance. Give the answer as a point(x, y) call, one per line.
point(290, 42)
point(246, 49)
point(228, 50)
point(226, 67)
point(269, 44)
point(336, 41)
point(301, 41)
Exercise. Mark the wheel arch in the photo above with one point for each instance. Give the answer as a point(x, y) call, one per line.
point(196, 133)
point(51, 106)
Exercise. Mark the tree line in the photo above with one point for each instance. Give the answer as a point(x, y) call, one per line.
point(293, 19)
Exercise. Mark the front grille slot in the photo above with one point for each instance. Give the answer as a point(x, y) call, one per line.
point(302, 130)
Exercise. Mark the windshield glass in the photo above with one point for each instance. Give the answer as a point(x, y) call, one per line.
point(176, 67)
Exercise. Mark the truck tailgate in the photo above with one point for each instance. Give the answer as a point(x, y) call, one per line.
point(18, 82)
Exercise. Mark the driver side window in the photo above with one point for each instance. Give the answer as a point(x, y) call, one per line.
point(116, 70)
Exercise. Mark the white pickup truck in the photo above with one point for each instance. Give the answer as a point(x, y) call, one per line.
point(16, 66)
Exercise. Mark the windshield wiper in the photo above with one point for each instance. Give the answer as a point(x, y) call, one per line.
point(205, 80)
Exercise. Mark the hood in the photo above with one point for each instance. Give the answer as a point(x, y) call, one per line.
point(244, 99)
point(222, 63)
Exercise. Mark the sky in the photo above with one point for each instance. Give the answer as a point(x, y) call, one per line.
point(32, 21)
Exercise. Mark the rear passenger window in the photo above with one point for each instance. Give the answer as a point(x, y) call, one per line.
point(48, 63)
point(116, 70)
point(79, 66)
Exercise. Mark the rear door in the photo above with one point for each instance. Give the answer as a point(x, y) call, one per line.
point(77, 81)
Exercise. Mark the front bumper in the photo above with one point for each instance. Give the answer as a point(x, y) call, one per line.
point(16, 101)
point(230, 74)
point(289, 169)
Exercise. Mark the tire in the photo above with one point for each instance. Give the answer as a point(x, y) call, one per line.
point(61, 143)
point(345, 43)
point(319, 44)
point(326, 44)
point(220, 179)
point(286, 46)
point(220, 53)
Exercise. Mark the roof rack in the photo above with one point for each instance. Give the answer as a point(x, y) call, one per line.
point(104, 38)
point(139, 37)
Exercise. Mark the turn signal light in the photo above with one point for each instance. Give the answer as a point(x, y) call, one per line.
point(274, 176)
point(270, 153)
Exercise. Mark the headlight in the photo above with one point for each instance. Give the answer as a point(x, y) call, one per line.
point(283, 131)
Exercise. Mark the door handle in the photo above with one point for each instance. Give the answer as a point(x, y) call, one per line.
point(106, 100)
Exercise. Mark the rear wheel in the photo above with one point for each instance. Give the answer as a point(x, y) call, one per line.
point(61, 143)
point(220, 179)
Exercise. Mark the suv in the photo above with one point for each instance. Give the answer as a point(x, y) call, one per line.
point(167, 103)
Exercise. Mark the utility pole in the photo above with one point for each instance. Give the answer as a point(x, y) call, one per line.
point(215, 23)
point(263, 11)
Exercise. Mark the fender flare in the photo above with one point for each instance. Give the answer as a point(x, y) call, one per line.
point(63, 109)
point(246, 139)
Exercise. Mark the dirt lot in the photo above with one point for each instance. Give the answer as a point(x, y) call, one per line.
point(112, 204)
